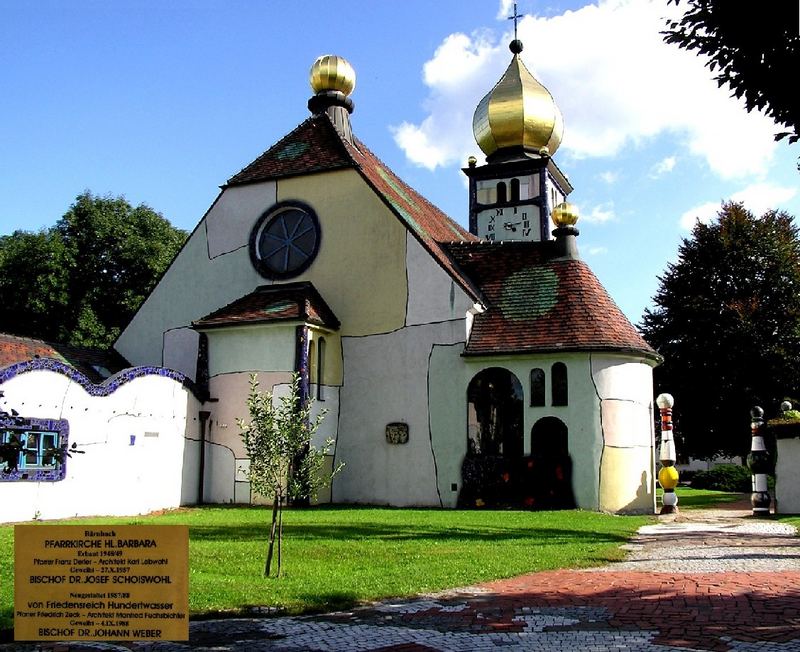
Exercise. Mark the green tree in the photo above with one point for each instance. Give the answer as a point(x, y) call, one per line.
point(81, 281)
point(284, 464)
point(727, 321)
point(753, 49)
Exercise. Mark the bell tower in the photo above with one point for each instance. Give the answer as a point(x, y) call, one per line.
point(518, 127)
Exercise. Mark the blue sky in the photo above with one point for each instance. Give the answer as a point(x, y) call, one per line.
point(163, 101)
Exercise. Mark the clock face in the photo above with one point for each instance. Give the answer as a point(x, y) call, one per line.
point(285, 240)
point(509, 223)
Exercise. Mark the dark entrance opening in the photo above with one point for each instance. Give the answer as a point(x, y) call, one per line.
point(490, 473)
point(550, 465)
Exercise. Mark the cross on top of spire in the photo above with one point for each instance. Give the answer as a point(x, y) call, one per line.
point(514, 17)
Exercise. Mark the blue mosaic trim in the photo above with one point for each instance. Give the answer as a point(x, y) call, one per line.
point(108, 386)
point(22, 425)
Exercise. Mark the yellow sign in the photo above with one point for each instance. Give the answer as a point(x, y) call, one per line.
point(101, 582)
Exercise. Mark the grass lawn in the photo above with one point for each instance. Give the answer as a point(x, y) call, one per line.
point(689, 498)
point(337, 556)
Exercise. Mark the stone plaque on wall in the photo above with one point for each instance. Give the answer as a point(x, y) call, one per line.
point(397, 433)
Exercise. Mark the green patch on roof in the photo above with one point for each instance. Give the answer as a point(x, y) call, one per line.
point(292, 151)
point(529, 293)
point(279, 307)
point(408, 218)
point(396, 187)
point(455, 230)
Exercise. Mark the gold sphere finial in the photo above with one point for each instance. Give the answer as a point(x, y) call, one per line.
point(519, 113)
point(565, 214)
point(332, 73)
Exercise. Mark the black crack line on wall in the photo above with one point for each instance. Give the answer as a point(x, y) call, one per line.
point(397, 330)
point(64, 400)
point(602, 430)
point(230, 450)
point(338, 411)
point(408, 282)
point(430, 428)
point(204, 222)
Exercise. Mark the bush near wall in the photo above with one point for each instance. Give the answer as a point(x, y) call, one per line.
point(725, 477)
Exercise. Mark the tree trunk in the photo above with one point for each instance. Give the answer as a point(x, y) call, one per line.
point(280, 537)
point(268, 565)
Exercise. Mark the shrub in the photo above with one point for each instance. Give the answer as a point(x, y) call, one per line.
point(725, 477)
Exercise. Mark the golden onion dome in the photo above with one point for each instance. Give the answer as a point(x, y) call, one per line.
point(565, 214)
point(332, 73)
point(518, 112)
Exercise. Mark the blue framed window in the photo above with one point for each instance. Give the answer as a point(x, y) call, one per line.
point(33, 449)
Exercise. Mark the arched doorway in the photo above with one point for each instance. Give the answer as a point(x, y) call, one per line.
point(550, 465)
point(490, 473)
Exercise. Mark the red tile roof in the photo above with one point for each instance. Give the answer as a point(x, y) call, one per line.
point(271, 303)
point(316, 146)
point(537, 302)
point(15, 349)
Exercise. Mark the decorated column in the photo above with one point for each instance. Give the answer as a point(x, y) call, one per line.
point(668, 475)
point(759, 463)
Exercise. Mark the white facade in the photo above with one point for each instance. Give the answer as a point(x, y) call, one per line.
point(136, 447)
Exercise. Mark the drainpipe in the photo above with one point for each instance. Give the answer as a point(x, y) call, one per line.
point(202, 471)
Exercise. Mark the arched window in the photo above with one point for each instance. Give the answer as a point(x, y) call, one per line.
point(495, 414)
point(321, 369)
point(537, 387)
point(502, 197)
point(514, 189)
point(560, 386)
point(312, 362)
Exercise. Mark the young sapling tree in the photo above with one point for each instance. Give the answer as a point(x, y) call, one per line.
point(284, 463)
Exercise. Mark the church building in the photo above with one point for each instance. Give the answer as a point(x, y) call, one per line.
point(457, 368)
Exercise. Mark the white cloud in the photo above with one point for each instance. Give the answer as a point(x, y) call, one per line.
point(664, 166)
point(596, 251)
point(598, 214)
point(758, 198)
point(456, 77)
point(506, 7)
point(704, 213)
point(617, 84)
point(609, 176)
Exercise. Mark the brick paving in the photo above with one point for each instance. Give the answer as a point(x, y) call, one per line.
point(715, 581)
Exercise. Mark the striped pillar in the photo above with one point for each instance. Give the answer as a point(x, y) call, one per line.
point(668, 475)
point(759, 463)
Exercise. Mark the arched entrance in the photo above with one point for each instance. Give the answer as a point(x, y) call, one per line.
point(490, 473)
point(550, 465)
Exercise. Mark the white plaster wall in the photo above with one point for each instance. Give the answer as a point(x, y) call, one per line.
point(180, 351)
point(225, 452)
point(193, 286)
point(230, 220)
point(432, 294)
point(625, 385)
point(580, 415)
point(220, 474)
point(451, 374)
point(329, 408)
point(448, 378)
point(385, 381)
point(261, 347)
point(116, 475)
point(787, 485)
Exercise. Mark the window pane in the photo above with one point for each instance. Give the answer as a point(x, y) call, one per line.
point(537, 388)
point(560, 388)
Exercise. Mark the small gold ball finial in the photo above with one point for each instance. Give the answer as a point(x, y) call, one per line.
point(332, 73)
point(472, 161)
point(565, 214)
